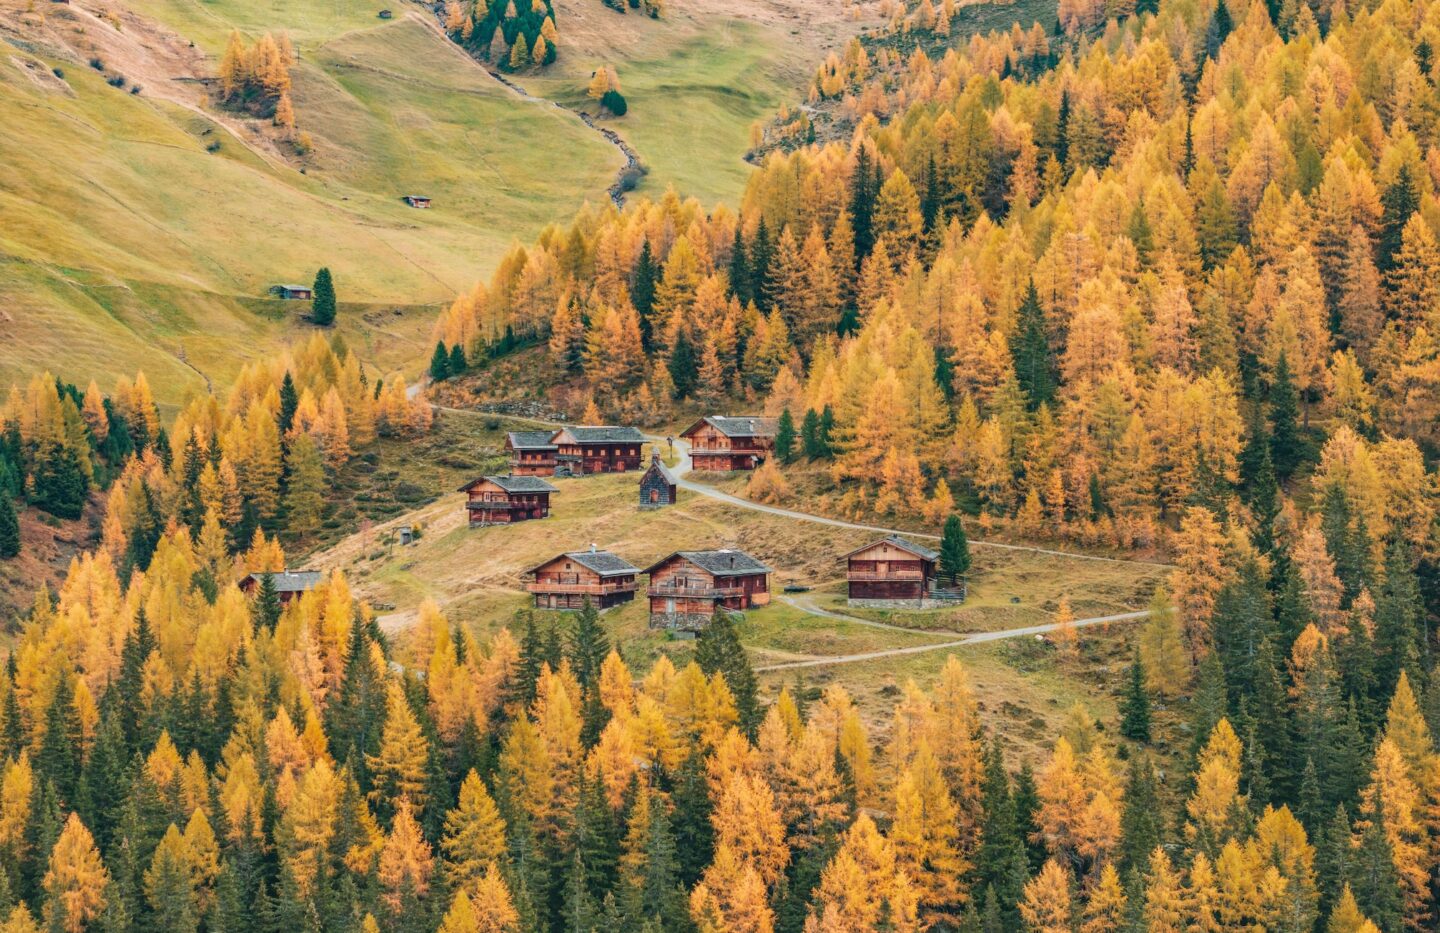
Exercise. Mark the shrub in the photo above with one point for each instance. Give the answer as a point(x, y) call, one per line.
point(135, 89)
point(213, 146)
point(116, 80)
point(613, 101)
point(58, 72)
point(97, 64)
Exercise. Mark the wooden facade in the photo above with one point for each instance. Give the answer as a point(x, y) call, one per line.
point(417, 200)
point(294, 292)
point(657, 485)
point(289, 584)
point(730, 443)
point(892, 572)
point(503, 500)
point(531, 453)
point(567, 580)
point(688, 586)
point(582, 450)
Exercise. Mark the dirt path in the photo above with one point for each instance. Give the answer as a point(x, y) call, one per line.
point(975, 639)
point(619, 186)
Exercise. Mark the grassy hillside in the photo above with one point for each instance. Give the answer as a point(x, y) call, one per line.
point(140, 228)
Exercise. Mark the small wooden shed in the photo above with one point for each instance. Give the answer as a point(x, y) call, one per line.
point(293, 292)
point(657, 485)
point(417, 200)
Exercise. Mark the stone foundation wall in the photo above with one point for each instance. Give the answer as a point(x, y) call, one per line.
point(902, 603)
point(685, 621)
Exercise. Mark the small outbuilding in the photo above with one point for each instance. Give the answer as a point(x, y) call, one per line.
point(567, 580)
point(385, 14)
point(657, 485)
point(504, 500)
point(417, 200)
point(293, 292)
point(289, 584)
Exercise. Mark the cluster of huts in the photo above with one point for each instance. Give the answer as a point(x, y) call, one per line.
point(687, 587)
point(716, 443)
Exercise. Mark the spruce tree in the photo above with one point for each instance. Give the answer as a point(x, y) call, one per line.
point(60, 486)
point(1398, 203)
point(862, 205)
point(322, 299)
point(1399, 630)
point(458, 363)
point(1001, 864)
point(954, 551)
point(355, 718)
point(762, 258)
point(1030, 353)
point(642, 293)
point(266, 610)
point(1373, 879)
point(683, 366)
point(440, 363)
point(1287, 447)
point(58, 759)
point(718, 651)
point(694, 834)
point(739, 269)
point(810, 435)
point(588, 645)
point(1142, 823)
point(1135, 710)
point(289, 402)
point(785, 438)
point(9, 528)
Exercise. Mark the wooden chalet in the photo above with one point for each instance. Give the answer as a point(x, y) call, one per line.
point(893, 572)
point(565, 581)
point(531, 453)
point(293, 292)
point(581, 450)
point(289, 584)
point(417, 200)
point(503, 500)
point(657, 485)
point(719, 442)
point(688, 586)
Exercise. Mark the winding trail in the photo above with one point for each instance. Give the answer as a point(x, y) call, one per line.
point(975, 639)
point(623, 175)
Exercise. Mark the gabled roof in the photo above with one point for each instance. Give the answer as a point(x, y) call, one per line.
point(290, 581)
point(602, 562)
point(924, 553)
point(600, 434)
point(512, 484)
point(530, 440)
point(725, 562)
point(737, 426)
point(658, 466)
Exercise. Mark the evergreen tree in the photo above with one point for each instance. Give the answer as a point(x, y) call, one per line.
point(440, 363)
point(1399, 629)
point(862, 204)
point(684, 367)
point(1287, 447)
point(1373, 878)
point(289, 403)
point(1398, 203)
point(1218, 29)
point(9, 528)
point(810, 435)
point(642, 293)
point(718, 651)
point(1027, 806)
point(1142, 823)
point(588, 645)
point(694, 834)
point(739, 269)
point(785, 438)
point(762, 260)
point(1001, 864)
point(265, 611)
point(355, 719)
point(60, 486)
point(1135, 710)
point(823, 436)
point(954, 551)
point(1030, 353)
point(322, 301)
point(58, 759)
point(458, 363)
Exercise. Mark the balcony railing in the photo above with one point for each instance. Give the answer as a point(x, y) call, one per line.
point(702, 592)
point(911, 576)
point(583, 589)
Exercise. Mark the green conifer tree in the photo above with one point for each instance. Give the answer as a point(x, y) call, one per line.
point(440, 363)
point(9, 528)
point(718, 651)
point(1135, 709)
point(954, 551)
point(322, 300)
point(785, 438)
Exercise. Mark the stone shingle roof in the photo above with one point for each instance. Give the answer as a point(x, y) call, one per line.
point(604, 434)
point(739, 426)
point(725, 562)
point(512, 484)
point(291, 581)
point(657, 464)
point(924, 553)
point(602, 562)
point(530, 440)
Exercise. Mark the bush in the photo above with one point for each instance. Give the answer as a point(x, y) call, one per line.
point(213, 146)
point(97, 64)
point(613, 101)
point(135, 89)
point(116, 80)
point(58, 72)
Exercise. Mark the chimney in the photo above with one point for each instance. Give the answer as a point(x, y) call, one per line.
point(592, 547)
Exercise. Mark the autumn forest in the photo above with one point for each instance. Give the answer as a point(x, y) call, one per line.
point(1147, 282)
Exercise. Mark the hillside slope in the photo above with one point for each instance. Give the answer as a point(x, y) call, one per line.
point(140, 230)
